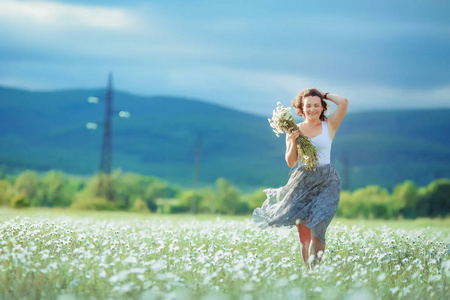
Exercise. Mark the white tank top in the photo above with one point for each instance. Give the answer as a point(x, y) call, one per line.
point(323, 144)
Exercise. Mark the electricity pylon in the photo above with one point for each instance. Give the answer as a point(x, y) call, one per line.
point(197, 158)
point(105, 187)
point(347, 183)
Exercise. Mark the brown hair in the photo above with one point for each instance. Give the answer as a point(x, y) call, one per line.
point(298, 102)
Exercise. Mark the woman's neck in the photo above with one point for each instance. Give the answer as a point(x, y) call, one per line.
point(312, 123)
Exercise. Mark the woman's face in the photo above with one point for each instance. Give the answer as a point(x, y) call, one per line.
point(312, 107)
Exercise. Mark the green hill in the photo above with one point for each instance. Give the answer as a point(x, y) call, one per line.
point(46, 130)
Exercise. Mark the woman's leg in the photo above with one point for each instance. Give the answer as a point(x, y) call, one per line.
point(315, 247)
point(305, 241)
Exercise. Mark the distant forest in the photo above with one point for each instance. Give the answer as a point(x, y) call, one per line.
point(133, 192)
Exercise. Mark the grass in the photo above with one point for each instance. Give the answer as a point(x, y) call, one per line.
point(52, 253)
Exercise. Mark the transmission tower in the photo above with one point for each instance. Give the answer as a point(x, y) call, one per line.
point(197, 157)
point(347, 183)
point(105, 164)
point(105, 188)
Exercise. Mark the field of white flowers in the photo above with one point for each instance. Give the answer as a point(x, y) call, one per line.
point(65, 255)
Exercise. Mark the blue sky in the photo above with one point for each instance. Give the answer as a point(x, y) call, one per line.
point(247, 55)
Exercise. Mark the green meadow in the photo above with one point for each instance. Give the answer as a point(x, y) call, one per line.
point(69, 254)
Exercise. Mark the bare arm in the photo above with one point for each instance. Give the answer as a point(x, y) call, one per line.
point(335, 120)
point(291, 148)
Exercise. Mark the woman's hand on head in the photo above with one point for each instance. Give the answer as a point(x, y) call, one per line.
point(322, 93)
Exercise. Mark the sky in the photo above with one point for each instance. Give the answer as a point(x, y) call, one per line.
point(246, 55)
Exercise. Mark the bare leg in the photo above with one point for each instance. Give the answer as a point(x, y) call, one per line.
point(314, 249)
point(305, 241)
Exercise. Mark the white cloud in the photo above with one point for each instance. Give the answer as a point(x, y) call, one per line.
point(248, 63)
point(258, 91)
point(246, 90)
point(386, 97)
point(62, 15)
point(137, 34)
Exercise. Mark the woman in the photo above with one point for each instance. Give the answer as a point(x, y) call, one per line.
point(309, 200)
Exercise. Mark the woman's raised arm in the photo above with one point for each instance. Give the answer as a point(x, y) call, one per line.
point(339, 113)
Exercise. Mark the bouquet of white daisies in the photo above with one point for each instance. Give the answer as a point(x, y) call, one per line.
point(281, 121)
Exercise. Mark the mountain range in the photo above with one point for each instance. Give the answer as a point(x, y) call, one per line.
point(47, 130)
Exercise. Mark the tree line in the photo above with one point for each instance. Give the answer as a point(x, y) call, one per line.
point(133, 192)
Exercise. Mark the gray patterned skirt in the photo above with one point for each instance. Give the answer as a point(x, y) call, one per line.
point(308, 198)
